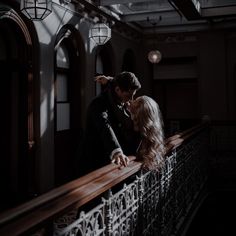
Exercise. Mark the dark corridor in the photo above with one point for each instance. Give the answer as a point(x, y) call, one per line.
point(216, 215)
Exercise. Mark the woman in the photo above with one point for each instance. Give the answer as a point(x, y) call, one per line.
point(147, 119)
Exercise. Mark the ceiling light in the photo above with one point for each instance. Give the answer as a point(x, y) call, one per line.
point(36, 9)
point(100, 33)
point(154, 56)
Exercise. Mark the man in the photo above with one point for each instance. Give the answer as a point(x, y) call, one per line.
point(109, 134)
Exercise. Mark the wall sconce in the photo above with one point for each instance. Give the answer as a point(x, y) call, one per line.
point(36, 9)
point(154, 56)
point(100, 33)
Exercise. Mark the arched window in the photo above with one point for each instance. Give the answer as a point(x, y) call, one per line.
point(62, 88)
point(67, 112)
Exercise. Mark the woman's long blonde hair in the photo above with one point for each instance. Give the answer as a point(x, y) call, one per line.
point(148, 120)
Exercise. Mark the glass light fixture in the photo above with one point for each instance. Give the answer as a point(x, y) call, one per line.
point(100, 33)
point(36, 9)
point(154, 56)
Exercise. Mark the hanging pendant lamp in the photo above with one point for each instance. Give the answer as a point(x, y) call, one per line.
point(36, 9)
point(154, 56)
point(100, 33)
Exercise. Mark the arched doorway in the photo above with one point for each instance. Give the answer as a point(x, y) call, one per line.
point(17, 114)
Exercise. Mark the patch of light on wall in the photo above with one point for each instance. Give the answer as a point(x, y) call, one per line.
point(43, 115)
point(52, 104)
point(52, 24)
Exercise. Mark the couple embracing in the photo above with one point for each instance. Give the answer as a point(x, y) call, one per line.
point(118, 126)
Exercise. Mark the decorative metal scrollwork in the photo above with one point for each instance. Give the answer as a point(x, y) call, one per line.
point(151, 204)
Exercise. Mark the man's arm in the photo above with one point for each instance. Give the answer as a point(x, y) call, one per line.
point(102, 79)
point(99, 116)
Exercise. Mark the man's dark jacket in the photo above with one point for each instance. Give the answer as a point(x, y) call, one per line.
point(108, 127)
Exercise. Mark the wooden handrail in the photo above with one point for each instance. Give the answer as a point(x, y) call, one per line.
point(49, 205)
point(55, 193)
point(177, 139)
point(76, 193)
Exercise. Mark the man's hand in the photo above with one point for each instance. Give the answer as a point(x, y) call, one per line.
point(102, 79)
point(120, 159)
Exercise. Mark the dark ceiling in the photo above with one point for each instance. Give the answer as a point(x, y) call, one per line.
point(171, 15)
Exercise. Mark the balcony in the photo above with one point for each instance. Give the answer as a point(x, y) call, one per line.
point(122, 201)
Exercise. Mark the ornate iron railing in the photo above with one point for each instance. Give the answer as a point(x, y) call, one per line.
point(148, 204)
point(152, 204)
